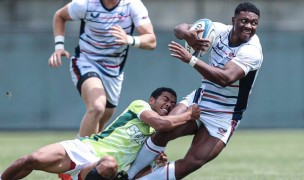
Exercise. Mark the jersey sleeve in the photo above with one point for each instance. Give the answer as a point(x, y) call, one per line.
point(249, 58)
point(139, 13)
point(138, 106)
point(219, 28)
point(77, 9)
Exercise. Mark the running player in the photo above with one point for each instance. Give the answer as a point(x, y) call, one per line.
point(235, 59)
point(105, 37)
point(100, 156)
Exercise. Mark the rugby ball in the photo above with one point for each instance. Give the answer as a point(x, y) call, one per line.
point(208, 33)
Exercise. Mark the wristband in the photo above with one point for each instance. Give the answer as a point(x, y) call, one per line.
point(131, 40)
point(193, 61)
point(59, 42)
point(134, 41)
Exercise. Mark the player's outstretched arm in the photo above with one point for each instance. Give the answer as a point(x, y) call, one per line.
point(166, 123)
point(60, 18)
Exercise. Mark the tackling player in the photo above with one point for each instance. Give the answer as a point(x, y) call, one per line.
point(100, 156)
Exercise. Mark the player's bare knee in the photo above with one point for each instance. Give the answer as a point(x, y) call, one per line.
point(192, 163)
point(108, 167)
point(29, 161)
point(97, 109)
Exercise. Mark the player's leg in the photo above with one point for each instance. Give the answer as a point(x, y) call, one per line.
point(94, 96)
point(105, 168)
point(203, 149)
point(106, 117)
point(206, 145)
point(156, 144)
point(51, 158)
point(113, 86)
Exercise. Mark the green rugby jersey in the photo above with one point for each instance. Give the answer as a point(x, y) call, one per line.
point(124, 137)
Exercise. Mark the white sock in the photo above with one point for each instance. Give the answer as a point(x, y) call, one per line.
point(146, 155)
point(162, 173)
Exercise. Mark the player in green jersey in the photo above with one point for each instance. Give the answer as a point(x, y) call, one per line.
point(101, 156)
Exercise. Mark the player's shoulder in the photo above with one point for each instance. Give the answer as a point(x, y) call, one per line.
point(139, 106)
point(81, 2)
point(221, 29)
point(255, 41)
point(132, 1)
point(136, 5)
point(221, 26)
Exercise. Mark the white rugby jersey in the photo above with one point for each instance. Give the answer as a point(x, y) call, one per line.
point(95, 41)
point(231, 101)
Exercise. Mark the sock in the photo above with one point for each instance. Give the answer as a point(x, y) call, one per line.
point(162, 173)
point(146, 155)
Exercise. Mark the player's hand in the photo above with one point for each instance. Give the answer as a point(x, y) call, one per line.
point(196, 112)
point(119, 34)
point(55, 59)
point(178, 51)
point(196, 42)
point(161, 159)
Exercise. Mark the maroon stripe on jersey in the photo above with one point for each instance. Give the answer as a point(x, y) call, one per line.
point(153, 150)
point(233, 125)
point(72, 165)
point(79, 176)
point(75, 68)
point(167, 170)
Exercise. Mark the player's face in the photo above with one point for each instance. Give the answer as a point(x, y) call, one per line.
point(244, 27)
point(164, 103)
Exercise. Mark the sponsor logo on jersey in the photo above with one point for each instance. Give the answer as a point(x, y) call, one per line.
point(95, 14)
point(219, 47)
point(222, 131)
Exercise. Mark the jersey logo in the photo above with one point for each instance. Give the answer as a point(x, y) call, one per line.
point(136, 135)
point(95, 14)
point(222, 131)
point(219, 47)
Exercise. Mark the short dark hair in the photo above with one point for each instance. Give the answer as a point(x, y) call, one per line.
point(246, 6)
point(157, 92)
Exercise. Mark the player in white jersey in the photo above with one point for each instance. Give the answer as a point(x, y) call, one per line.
point(100, 156)
point(105, 37)
point(234, 61)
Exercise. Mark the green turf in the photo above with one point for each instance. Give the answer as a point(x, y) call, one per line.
point(250, 155)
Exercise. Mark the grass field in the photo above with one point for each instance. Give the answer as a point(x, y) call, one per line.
point(250, 155)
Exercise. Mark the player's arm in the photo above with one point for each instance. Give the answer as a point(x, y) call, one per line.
point(182, 30)
point(147, 36)
point(61, 16)
point(166, 123)
point(223, 77)
point(145, 40)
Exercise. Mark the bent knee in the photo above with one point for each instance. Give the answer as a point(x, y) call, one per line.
point(193, 164)
point(30, 161)
point(97, 109)
point(107, 167)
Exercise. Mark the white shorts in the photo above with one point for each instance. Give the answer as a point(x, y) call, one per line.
point(80, 153)
point(217, 127)
point(80, 67)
